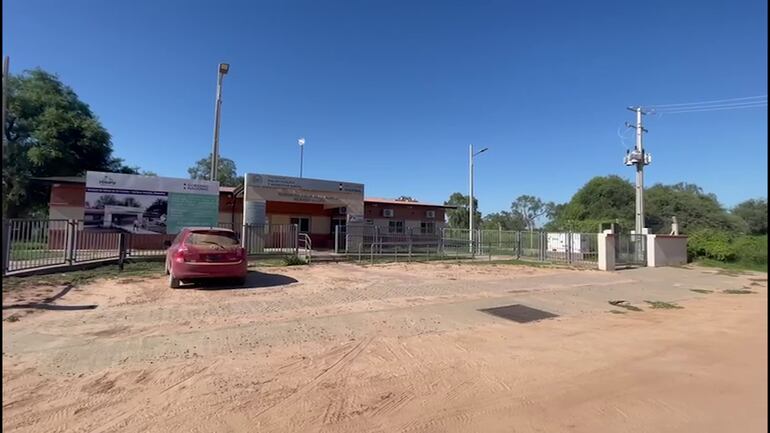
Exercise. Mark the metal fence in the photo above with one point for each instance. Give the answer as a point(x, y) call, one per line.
point(270, 238)
point(34, 244)
point(369, 241)
point(630, 249)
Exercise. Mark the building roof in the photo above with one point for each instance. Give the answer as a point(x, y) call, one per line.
point(239, 189)
point(62, 179)
point(402, 203)
point(82, 180)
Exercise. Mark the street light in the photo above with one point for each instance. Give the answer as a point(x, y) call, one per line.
point(470, 201)
point(301, 143)
point(223, 69)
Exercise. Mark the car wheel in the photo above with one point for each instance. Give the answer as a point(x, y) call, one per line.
point(172, 282)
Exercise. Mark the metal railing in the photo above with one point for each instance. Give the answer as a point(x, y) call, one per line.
point(306, 245)
point(270, 238)
point(370, 241)
point(29, 244)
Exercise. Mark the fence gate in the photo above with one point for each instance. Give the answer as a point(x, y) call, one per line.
point(630, 249)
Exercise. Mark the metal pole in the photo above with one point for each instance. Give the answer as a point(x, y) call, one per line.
point(301, 157)
point(470, 201)
point(5, 84)
point(217, 112)
point(639, 174)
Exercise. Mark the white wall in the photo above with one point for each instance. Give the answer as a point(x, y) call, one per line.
point(66, 212)
point(665, 250)
point(320, 224)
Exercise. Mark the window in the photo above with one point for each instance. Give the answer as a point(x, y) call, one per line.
point(302, 223)
point(395, 226)
point(212, 237)
point(427, 228)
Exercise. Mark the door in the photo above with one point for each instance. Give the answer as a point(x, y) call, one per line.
point(630, 249)
point(303, 224)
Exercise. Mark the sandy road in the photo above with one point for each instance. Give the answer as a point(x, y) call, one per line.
point(392, 348)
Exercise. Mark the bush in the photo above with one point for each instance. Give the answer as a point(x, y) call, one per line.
point(293, 261)
point(751, 249)
point(712, 244)
point(724, 247)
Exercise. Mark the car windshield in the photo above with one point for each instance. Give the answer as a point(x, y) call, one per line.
point(219, 238)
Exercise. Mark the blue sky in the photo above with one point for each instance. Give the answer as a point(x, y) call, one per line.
point(390, 93)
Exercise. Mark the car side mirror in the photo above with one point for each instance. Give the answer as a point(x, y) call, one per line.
point(166, 244)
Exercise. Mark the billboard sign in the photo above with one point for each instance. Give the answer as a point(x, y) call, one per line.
point(149, 204)
point(262, 188)
point(298, 183)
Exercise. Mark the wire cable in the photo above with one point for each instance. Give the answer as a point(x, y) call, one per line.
point(712, 102)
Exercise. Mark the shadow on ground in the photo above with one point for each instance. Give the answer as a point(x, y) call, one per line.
point(47, 303)
point(254, 280)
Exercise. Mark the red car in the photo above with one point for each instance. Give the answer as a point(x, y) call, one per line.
point(205, 252)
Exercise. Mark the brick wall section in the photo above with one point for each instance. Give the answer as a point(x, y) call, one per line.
point(403, 212)
point(68, 194)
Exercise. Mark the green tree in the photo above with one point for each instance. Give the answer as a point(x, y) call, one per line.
point(693, 208)
point(529, 208)
point(503, 220)
point(601, 199)
point(754, 213)
point(226, 172)
point(50, 132)
point(458, 217)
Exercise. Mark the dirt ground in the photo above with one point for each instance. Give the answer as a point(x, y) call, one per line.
point(391, 348)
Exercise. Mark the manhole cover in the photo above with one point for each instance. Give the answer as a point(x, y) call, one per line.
point(519, 313)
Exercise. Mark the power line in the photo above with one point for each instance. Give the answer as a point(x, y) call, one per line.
point(716, 101)
point(726, 104)
point(712, 108)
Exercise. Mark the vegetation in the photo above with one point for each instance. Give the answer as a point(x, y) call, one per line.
point(663, 305)
point(736, 238)
point(725, 247)
point(737, 291)
point(754, 214)
point(50, 132)
point(293, 261)
point(458, 217)
point(625, 304)
point(503, 221)
point(226, 171)
point(76, 278)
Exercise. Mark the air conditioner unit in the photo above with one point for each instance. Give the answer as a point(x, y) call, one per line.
point(430, 214)
point(342, 210)
point(387, 213)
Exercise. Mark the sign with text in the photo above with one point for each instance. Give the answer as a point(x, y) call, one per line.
point(149, 204)
point(263, 188)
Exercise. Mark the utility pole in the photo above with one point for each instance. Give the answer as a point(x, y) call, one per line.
point(470, 199)
point(471, 155)
point(638, 158)
point(301, 142)
point(221, 72)
point(5, 91)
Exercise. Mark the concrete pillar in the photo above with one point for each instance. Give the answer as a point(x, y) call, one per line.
point(651, 250)
point(606, 251)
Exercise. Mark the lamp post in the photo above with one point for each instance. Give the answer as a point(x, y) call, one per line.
point(221, 72)
point(471, 155)
point(301, 143)
point(5, 84)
